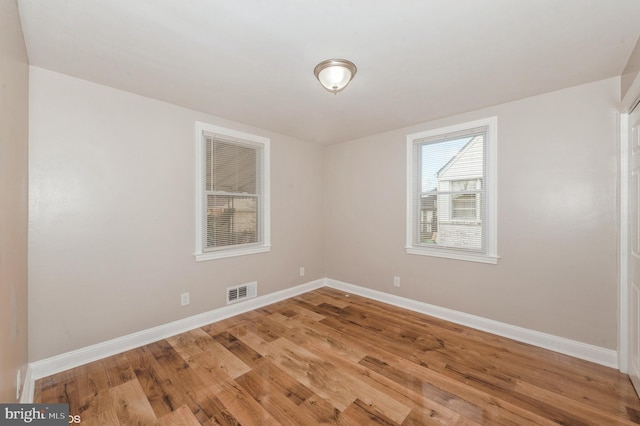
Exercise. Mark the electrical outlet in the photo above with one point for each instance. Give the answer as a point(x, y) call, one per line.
point(184, 299)
point(302, 271)
point(396, 281)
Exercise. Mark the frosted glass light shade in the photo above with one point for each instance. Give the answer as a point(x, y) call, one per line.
point(335, 74)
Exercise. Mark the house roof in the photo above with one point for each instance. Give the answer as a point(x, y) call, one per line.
point(459, 154)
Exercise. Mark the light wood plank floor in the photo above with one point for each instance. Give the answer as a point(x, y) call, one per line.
point(328, 358)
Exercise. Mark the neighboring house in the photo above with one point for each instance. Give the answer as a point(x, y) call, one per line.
point(428, 218)
point(231, 221)
point(459, 212)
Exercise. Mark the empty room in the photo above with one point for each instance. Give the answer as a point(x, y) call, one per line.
point(321, 212)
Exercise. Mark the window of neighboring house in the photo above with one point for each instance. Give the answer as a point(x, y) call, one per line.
point(465, 200)
point(232, 200)
point(451, 192)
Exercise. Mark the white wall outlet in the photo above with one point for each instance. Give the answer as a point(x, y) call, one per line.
point(184, 299)
point(302, 271)
point(396, 281)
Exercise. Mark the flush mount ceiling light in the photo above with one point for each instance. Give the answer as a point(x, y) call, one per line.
point(335, 74)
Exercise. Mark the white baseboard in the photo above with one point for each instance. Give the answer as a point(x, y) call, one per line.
point(65, 361)
point(46, 367)
point(28, 388)
point(585, 351)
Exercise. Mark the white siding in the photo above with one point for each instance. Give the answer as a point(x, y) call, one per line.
point(466, 165)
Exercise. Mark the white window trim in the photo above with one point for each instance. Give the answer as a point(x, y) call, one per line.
point(264, 143)
point(491, 182)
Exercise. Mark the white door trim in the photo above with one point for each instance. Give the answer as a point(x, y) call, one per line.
point(627, 104)
point(623, 289)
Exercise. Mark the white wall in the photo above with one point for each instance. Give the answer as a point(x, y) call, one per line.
point(14, 95)
point(112, 221)
point(557, 218)
point(629, 84)
point(112, 215)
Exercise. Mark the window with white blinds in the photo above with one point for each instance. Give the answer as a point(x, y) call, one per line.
point(451, 192)
point(232, 193)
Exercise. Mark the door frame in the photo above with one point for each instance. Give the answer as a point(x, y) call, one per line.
point(623, 273)
point(627, 104)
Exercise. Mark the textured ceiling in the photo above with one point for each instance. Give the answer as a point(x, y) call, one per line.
point(252, 61)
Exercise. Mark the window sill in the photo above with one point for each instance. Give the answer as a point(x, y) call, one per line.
point(231, 253)
point(469, 257)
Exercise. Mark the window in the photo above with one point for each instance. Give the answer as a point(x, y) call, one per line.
point(465, 203)
point(451, 192)
point(232, 199)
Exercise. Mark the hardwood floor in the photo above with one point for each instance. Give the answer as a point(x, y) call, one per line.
point(327, 358)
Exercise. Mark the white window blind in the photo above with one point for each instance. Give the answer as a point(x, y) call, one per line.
point(232, 193)
point(465, 200)
point(448, 213)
